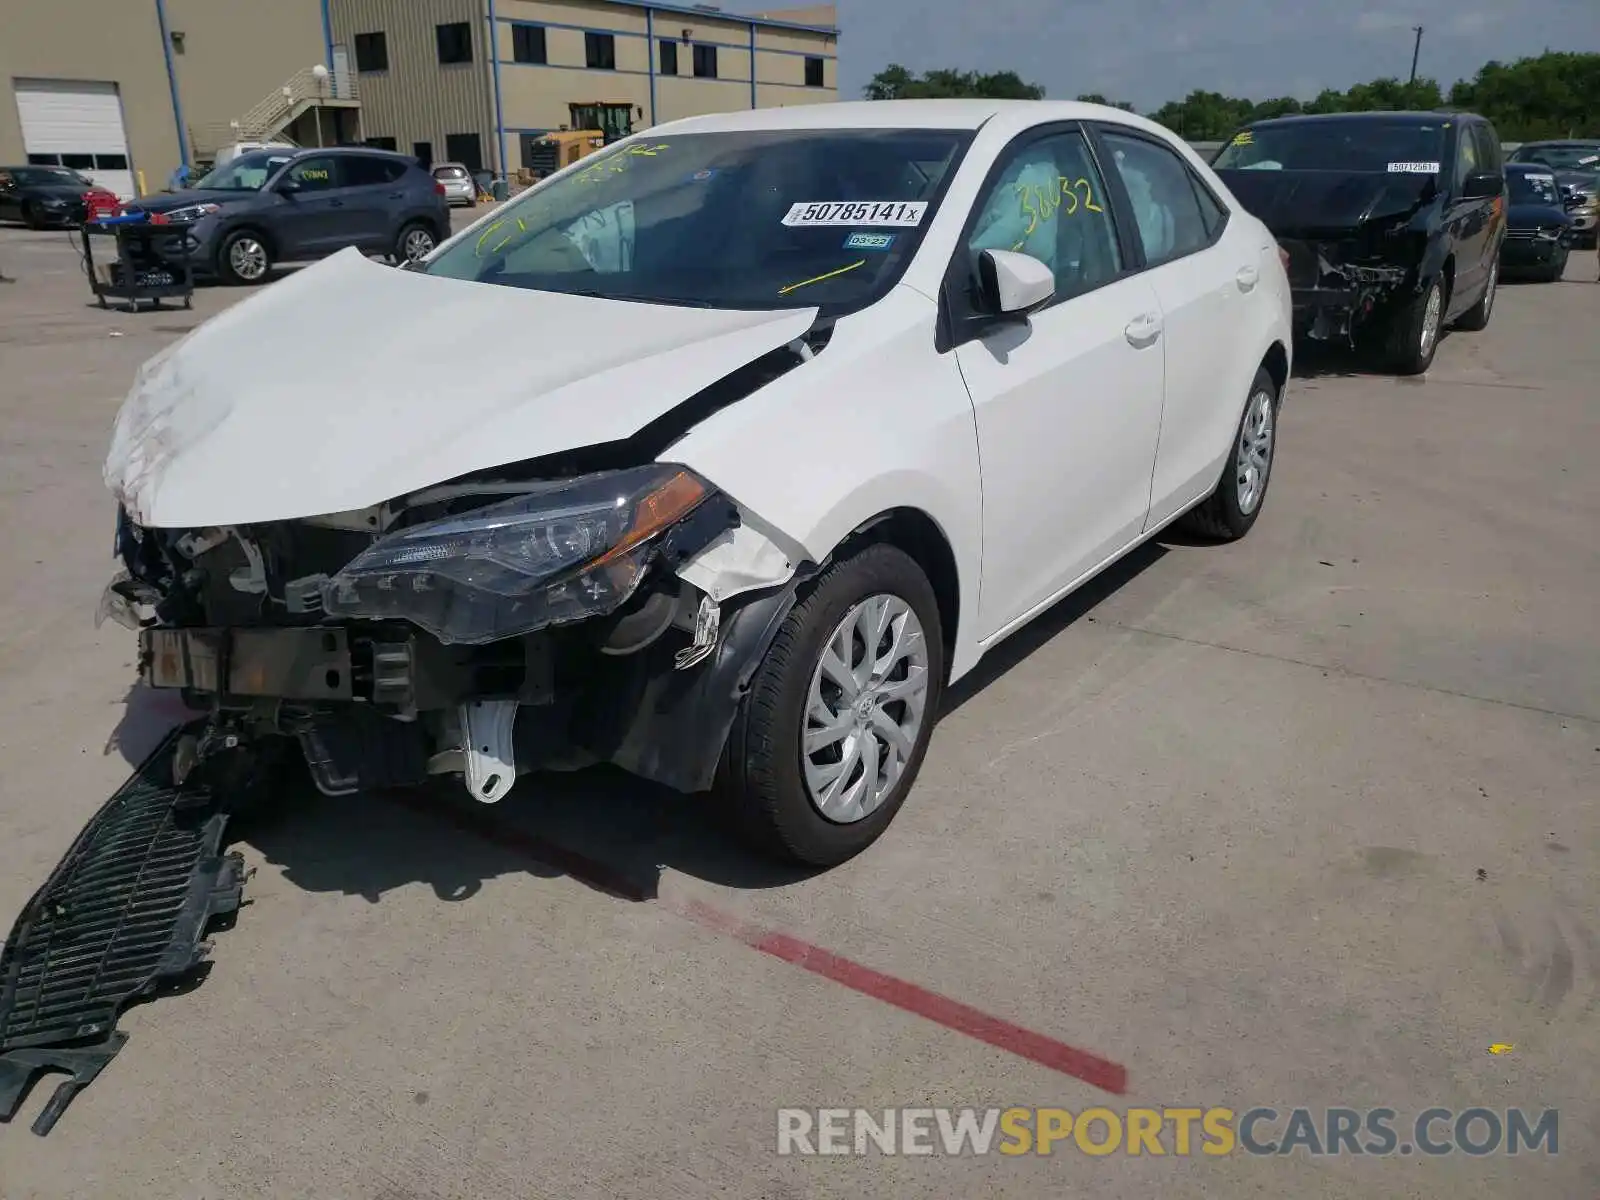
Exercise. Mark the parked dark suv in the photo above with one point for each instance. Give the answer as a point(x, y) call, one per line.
point(273, 206)
point(1391, 222)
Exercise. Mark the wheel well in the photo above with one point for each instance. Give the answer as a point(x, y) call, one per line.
point(916, 533)
point(1448, 271)
point(428, 223)
point(1276, 363)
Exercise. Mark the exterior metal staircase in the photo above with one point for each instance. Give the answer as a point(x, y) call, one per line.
point(271, 119)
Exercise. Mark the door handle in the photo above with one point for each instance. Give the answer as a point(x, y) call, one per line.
point(1246, 278)
point(335, 203)
point(1143, 331)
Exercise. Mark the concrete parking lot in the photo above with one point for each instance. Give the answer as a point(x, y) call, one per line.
point(1307, 820)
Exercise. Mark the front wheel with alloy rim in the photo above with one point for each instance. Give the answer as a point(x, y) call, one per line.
point(836, 721)
point(1229, 512)
point(415, 243)
point(243, 258)
point(1413, 334)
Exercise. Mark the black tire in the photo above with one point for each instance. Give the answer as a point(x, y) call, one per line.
point(30, 215)
point(1221, 516)
point(760, 776)
point(1557, 269)
point(1477, 317)
point(254, 274)
point(409, 230)
point(1402, 344)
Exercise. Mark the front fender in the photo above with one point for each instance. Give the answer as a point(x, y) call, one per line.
point(878, 420)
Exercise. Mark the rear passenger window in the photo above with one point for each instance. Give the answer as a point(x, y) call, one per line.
point(370, 172)
point(314, 174)
point(1164, 196)
point(1049, 201)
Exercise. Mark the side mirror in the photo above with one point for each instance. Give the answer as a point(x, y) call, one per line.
point(1014, 284)
point(288, 187)
point(1482, 186)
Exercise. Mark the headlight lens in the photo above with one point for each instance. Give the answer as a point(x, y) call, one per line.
point(192, 212)
point(568, 550)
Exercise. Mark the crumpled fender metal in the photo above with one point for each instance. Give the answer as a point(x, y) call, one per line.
point(680, 723)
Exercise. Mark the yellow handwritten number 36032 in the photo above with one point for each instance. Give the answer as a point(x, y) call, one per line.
point(1042, 203)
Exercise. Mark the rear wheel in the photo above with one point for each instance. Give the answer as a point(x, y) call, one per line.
point(836, 722)
point(1229, 512)
point(1413, 334)
point(416, 241)
point(1477, 317)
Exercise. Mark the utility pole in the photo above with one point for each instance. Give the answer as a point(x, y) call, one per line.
point(1416, 50)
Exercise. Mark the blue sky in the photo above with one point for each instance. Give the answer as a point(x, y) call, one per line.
point(1151, 51)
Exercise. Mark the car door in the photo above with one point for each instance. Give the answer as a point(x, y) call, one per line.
point(1469, 223)
point(1068, 402)
point(373, 195)
point(311, 218)
point(1203, 279)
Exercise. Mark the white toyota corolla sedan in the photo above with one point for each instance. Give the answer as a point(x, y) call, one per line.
point(775, 423)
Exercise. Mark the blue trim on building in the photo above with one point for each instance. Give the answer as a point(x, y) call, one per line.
point(753, 103)
point(172, 83)
point(499, 111)
point(327, 36)
point(650, 53)
point(731, 18)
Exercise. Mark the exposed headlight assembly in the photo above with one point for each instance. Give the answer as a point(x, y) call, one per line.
point(563, 551)
point(192, 212)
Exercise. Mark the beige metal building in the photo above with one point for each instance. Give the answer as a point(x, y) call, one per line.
point(476, 81)
point(131, 89)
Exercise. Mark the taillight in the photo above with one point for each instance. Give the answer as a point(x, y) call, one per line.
point(438, 188)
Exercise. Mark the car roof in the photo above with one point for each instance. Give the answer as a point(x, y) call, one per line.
point(1373, 117)
point(888, 114)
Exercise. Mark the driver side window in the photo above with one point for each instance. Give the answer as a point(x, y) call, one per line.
point(314, 174)
point(1466, 155)
point(1049, 202)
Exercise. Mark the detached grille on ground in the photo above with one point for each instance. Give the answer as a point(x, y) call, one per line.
point(122, 916)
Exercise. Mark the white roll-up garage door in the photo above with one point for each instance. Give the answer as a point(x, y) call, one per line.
point(77, 124)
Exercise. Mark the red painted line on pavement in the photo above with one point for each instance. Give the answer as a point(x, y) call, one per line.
point(909, 997)
point(995, 1031)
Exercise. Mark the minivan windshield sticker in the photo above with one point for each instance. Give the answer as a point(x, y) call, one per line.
point(894, 213)
point(1414, 168)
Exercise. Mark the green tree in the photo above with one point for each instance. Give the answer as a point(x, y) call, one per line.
point(1097, 98)
point(894, 82)
point(1550, 96)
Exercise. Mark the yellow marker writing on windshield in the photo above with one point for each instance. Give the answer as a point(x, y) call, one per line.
point(794, 287)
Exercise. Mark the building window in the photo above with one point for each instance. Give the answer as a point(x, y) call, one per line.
point(423, 153)
point(527, 44)
point(669, 58)
point(455, 42)
point(705, 62)
point(381, 143)
point(600, 51)
point(464, 149)
point(176, 37)
point(814, 72)
point(372, 52)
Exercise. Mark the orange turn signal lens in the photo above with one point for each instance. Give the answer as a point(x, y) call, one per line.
point(658, 510)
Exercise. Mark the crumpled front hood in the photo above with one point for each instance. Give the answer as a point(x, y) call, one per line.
point(1326, 203)
point(352, 383)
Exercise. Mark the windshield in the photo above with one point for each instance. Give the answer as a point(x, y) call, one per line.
point(752, 219)
point(247, 173)
point(1562, 158)
point(1363, 144)
point(1533, 187)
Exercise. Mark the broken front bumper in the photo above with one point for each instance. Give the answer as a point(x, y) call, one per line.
point(1332, 297)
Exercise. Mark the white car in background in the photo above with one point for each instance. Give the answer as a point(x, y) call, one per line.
point(776, 422)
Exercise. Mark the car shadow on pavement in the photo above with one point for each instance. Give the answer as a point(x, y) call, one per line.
point(1317, 360)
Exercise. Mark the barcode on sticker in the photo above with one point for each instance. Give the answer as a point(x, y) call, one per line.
point(1414, 168)
point(857, 212)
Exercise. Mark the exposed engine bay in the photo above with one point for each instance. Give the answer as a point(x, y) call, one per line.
point(563, 611)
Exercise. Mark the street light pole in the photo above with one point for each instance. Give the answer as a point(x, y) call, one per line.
point(1416, 50)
